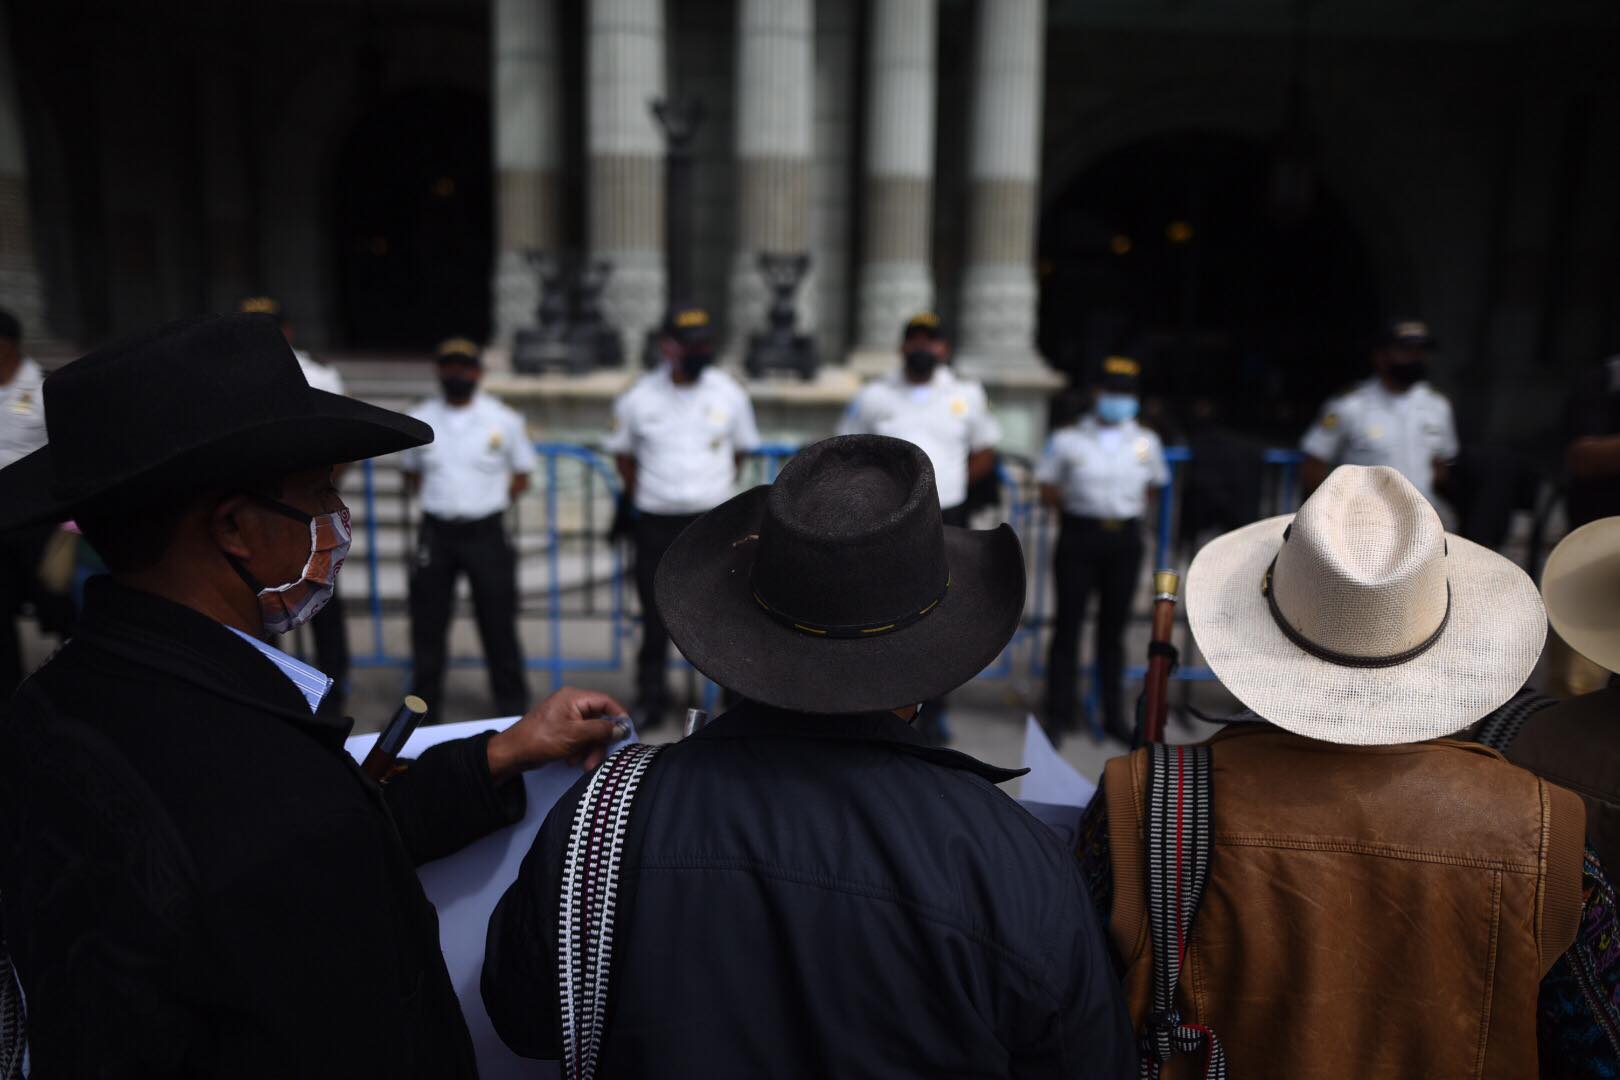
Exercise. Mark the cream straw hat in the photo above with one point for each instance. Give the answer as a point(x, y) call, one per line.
point(1359, 620)
point(1581, 585)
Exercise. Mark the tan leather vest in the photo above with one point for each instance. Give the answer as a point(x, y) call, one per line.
point(1371, 911)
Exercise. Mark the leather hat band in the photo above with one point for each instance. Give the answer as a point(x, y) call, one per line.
point(863, 630)
point(1343, 659)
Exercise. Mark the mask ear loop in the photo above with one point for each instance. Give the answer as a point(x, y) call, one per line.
point(286, 511)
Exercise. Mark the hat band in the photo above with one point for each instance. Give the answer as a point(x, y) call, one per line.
point(855, 630)
point(1343, 659)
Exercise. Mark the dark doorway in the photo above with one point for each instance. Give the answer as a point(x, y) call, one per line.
point(1234, 276)
point(414, 215)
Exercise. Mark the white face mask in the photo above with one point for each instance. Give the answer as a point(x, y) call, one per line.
point(288, 606)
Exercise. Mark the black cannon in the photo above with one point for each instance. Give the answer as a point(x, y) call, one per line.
point(570, 334)
point(780, 347)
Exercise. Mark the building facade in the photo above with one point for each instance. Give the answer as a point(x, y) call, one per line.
point(1235, 189)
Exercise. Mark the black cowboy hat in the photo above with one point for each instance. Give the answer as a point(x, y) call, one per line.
point(188, 408)
point(836, 589)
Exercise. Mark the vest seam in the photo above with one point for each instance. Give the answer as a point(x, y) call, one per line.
point(1195, 968)
point(1490, 974)
point(1542, 857)
point(1143, 944)
point(1384, 851)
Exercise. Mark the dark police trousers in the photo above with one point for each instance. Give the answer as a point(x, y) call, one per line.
point(1105, 556)
point(654, 533)
point(445, 549)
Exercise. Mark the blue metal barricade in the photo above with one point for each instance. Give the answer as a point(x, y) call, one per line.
point(556, 661)
point(592, 468)
point(1039, 529)
point(1036, 526)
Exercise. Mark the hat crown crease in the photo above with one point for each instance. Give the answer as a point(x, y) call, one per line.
point(1363, 569)
point(851, 538)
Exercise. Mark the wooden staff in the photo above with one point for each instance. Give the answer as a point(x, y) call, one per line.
point(1161, 655)
point(385, 751)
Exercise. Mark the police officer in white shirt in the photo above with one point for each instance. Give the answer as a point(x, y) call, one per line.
point(1100, 473)
point(22, 431)
point(949, 417)
point(327, 627)
point(677, 437)
point(1394, 418)
point(928, 404)
point(478, 462)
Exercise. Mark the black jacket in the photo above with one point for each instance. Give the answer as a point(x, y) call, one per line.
point(198, 881)
point(813, 896)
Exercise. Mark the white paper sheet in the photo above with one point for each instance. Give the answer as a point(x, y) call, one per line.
point(466, 886)
point(1050, 779)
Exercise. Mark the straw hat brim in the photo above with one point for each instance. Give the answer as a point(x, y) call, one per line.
point(1579, 584)
point(1488, 649)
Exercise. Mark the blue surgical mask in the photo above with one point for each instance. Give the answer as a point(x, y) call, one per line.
point(1117, 408)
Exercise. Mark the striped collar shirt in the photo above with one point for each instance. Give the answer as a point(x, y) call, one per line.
point(313, 684)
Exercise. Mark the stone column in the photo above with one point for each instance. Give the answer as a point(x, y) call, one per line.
point(775, 105)
point(896, 279)
point(832, 188)
point(21, 289)
point(625, 218)
point(528, 153)
point(998, 282)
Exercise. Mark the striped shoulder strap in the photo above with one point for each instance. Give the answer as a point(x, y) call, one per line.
point(13, 1026)
point(585, 910)
point(1500, 728)
point(1179, 834)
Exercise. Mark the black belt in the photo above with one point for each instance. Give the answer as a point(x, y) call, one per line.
point(1130, 524)
point(465, 524)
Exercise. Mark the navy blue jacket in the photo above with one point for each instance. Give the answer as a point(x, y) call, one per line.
point(198, 881)
point(815, 896)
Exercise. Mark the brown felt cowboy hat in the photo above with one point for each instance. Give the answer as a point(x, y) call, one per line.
point(836, 589)
point(188, 408)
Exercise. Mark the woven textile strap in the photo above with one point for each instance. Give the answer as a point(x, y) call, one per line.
point(1178, 849)
point(585, 910)
point(1500, 728)
point(13, 1029)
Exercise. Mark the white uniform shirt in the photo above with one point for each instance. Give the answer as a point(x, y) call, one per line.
point(320, 376)
point(948, 416)
point(22, 413)
point(467, 468)
point(1371, 426)
point(684, 438)
point(1103, 470)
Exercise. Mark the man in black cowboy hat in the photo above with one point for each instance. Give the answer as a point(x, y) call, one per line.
point(807, 887)
point(197, 880)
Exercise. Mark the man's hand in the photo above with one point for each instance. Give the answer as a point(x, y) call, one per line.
point(567, 726)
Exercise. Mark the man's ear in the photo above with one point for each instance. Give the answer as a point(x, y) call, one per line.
point(233, 523)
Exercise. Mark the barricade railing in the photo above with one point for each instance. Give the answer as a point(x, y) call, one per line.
point(596, 483)
point(576, 534)
point(1037, 527)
